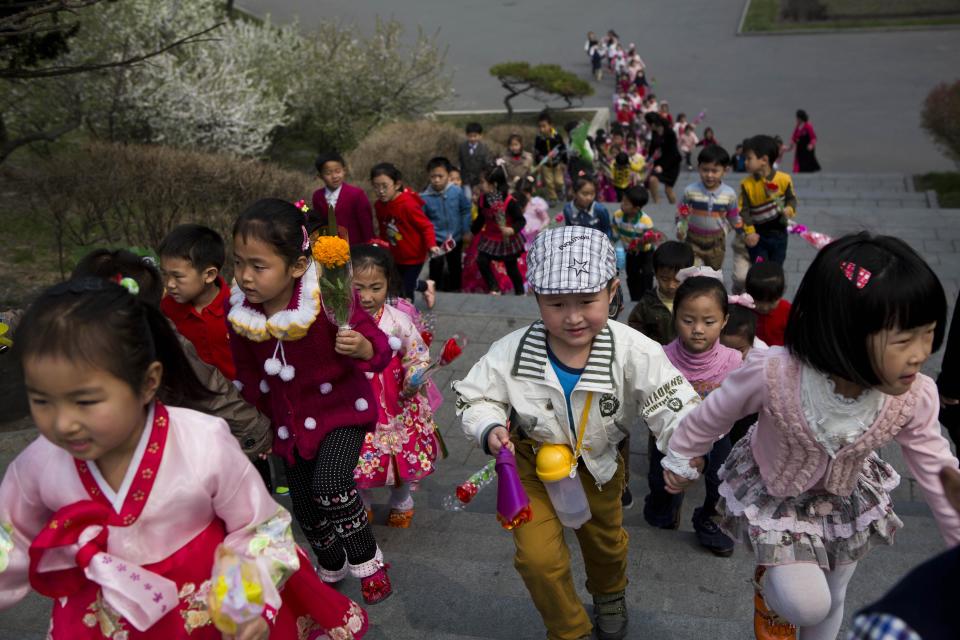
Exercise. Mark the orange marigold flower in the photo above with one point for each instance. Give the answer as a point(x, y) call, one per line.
point(331, 251)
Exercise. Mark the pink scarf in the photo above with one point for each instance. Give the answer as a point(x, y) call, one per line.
point(705, 371)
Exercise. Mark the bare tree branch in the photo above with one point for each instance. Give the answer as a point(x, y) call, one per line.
point(50, 135)
point(51, 72)
point(19, 20)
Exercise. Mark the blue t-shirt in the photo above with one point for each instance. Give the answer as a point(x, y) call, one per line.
point(568, 377)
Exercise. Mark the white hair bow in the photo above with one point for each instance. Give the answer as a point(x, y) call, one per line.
point(702, 271)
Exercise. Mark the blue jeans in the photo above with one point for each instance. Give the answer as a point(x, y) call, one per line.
point(771, 247)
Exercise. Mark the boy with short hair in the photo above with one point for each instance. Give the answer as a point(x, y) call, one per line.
point(350, 203)
point(448, 208)
point(576, 380)
point(653, 315)
point(191, 257)
point(549, 153)
point(474, 156)
point(766, 283)
point(630, 225)
point(767, 201)
point(706, 207)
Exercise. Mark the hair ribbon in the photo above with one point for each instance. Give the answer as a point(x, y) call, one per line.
point(743, 299)
point(701, 271)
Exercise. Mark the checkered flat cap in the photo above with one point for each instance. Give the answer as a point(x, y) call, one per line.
point(571, 260)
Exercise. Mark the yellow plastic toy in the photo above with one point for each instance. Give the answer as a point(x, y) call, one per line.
point(554, 462)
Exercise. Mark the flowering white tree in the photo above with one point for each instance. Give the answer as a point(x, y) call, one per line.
point(233, 88)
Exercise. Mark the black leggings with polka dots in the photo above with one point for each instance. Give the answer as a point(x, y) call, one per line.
point(326, 502)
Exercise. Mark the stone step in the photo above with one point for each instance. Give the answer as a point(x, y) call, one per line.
point(893, 182)
point(865, 199)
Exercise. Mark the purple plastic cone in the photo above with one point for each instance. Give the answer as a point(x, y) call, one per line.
point(511, 498)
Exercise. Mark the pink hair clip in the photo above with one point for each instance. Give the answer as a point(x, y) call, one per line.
point(856, 274)
point(306, 239)
point(743, 299)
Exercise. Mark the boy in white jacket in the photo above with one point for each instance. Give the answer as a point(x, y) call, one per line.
point(577, 379)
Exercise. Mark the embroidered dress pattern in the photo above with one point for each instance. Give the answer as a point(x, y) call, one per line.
point(404, 445)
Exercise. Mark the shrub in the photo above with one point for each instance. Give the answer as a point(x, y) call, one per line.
point(496, 137)
point(542, 82)
point(940, 117)
point(408, 145)
point(132, 195)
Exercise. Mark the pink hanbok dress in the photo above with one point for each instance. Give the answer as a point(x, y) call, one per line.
point(136, 563)
point(404, 446)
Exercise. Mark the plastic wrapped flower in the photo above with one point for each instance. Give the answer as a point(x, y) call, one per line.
point(332, 254)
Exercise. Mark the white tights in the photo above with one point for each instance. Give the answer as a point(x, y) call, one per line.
point(400, 497)
point(808, 597)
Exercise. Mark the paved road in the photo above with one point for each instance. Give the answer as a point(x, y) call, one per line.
point(863, 91)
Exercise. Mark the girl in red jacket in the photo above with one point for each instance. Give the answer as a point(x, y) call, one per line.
point(403, 224)
point(309, 378)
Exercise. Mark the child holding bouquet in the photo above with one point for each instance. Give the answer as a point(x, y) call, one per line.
point(302, 360)
point(402, 449)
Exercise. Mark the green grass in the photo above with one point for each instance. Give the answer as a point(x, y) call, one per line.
point(946, 184)
point(763, 15)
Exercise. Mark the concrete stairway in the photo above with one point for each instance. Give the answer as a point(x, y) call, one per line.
point(453, 572)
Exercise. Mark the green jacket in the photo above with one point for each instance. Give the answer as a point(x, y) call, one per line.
point(652, 318)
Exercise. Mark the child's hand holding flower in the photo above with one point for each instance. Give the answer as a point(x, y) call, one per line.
point(353, 344)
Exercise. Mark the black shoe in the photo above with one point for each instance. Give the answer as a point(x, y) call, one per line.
point(658, 516)
point(626, 498)
point(710, 536)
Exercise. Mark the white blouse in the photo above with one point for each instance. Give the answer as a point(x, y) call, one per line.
point(835, 420)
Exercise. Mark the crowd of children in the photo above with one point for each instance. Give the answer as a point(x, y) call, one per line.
point(161, 393)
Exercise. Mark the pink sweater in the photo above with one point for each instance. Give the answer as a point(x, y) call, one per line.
point(792, 461)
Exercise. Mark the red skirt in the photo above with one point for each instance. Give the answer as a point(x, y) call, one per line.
point(310, 607)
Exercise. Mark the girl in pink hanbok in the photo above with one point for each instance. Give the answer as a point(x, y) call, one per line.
point(117, 510)
point(403, 448)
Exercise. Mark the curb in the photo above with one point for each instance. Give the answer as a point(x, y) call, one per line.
point(837, 31)
point(600, 119)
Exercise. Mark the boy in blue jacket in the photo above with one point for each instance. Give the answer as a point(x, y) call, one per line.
point(448, 208)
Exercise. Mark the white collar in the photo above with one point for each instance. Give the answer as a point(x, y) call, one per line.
point(287, 324)
point(333, 195)
point(117, 498)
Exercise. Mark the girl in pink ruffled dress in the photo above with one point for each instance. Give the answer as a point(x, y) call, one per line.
point(805, 488)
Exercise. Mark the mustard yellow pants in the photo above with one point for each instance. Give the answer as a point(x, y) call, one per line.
point(543, 559)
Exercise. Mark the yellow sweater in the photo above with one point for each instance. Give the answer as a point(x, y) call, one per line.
point(767, 202)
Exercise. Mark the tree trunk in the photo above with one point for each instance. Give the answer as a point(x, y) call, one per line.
point(512, 92)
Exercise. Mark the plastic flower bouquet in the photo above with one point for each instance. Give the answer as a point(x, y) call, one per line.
point(332, 255)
